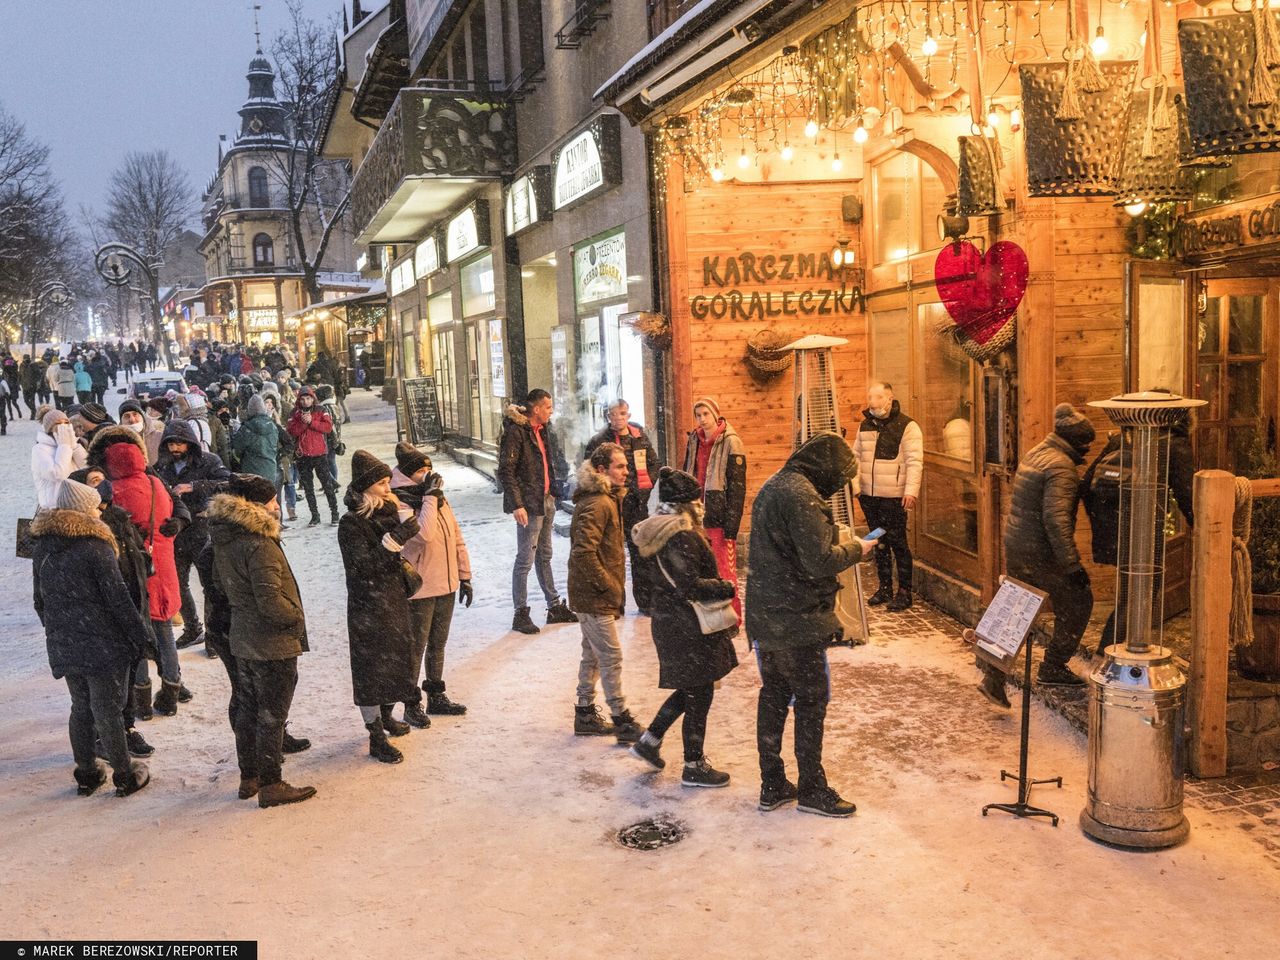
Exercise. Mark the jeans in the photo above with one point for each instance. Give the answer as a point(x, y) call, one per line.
point(96, 704)
point(333, 466)
point(431, 619)
point(188, 552)
point(601, 657)
point(308, 469)
point(267, 688)
point(1072, 604)
point(695, 704)
point(888, 512)
point(533, 543)
point(801, 674)
point(166, 651)
point(287, 488)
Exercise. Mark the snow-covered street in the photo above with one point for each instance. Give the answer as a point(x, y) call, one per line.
point(496, 837)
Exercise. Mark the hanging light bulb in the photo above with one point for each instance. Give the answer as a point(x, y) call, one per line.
point(1015, 119)
point(743, 160)
point(930, 46)
point(1099, 45)
point(1136, 209)
point(811, 128)
point(716, 173)
point(787, 152)
point(836, 162)
point(993, 118)
point(860, 133)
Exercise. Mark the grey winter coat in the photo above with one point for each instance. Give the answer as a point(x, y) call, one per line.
point(1041, 531)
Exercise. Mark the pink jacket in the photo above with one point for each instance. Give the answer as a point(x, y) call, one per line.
point(438, 552)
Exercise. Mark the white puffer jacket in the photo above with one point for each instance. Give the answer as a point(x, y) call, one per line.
point(51, 463)
point(895, 472)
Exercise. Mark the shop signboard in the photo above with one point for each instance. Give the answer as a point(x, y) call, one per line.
point(528, 200)
point(600, 268)
point(402, 277)
point(422, 411)
point(426, 257)
point(468, 231)
point(1246, 225)
point(497, 363)
point(560, 366)
point(423, 18)
point(588, 164)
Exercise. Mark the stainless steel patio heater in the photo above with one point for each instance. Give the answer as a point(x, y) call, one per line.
point(1136, 694)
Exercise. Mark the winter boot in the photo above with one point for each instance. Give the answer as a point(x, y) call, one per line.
point(559, 612)
point(291, 744)
point(166, 702)
point(314, 521)
point(138, 747)
point(209, 652)
point(142, 701)
point(702, 774)
point(184, 695)
point(87, 781)
point(277, 794)
point(438, 701)
point(523, 623)
point(415, 716)
point(649, 749)
point(901, 602)
point(590, 722)
point(825, 802)
point(191, 635)
point(775, 795)
point(333, 520)
point(625, 727)
point(133, 781)
point(248, 788)
point(379, 748)
point(992, 687)
point(883, 595)
point(1057, 675)
point(293, 514)
point(394, 727)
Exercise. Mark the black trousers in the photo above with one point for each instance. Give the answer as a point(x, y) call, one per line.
point(801, 674)
point(642, 570)
point(30, 397)
point(695, 704)
point(1072, 605)
point(96, 704)
point(4, 415)
point(431, 619)
point(189, 552)
point(888, 512)
point(259, 713)
point(308, 469)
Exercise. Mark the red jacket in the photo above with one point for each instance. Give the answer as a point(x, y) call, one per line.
point(138, 493)
point(311, 436)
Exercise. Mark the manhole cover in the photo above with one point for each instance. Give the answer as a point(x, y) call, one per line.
point(651, 834)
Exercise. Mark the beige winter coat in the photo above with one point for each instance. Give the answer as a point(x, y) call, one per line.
point(437, 551)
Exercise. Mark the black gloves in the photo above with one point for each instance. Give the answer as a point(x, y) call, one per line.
point(172, 527)
point(403, 532)
point(464, 593)
point(433, 485)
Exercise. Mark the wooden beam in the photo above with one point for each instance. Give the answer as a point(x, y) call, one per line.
point(1266, 488)
point(1214, 497)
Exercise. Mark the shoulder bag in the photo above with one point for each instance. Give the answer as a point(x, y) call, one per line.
point(713, 615)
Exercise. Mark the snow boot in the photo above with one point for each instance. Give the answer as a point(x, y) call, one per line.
point(142, 701)
point(184, 695)
point(248, 788)
point(775, 795)
point(438, 701)
point(293, 514)
point(1057, 675)
point(901, 602)
point(88, 781)
point(138, 747)
point(702, 774)
point(394, 727)
point(191, 635)
point(588, 721)
point(277, 794)
point(825, 802)
point(314, 521)
point(523, 623)
point(134, 780)
point(992, 687)
point(649, 749)
point(291, 744)
point(883, 595)
point(415, 716)
point(166, 702)
point(625, 727)
point(559, 612)
point(333, 520)
point(379, 748)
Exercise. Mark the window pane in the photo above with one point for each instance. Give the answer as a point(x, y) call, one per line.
point(1209, 388)
point(893, 180)
point(890, 354)
point(1161, 334)
point(1209, 448)
point(1210, 327)
point(946, 392)
point(1244, 390)
point(951, 510)
point(440, 309)
point(1243, 450)
point(933, 198)
point(477, 286)
point(1244, 330)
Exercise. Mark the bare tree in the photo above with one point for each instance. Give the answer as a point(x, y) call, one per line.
point(317, 190)
point(27, 192)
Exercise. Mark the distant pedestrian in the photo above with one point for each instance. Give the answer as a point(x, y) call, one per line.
point(309, 426)
point(716, 457)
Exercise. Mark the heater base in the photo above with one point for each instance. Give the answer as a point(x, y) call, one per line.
point(1134, 839)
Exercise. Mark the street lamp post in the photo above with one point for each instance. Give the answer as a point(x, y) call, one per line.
point(55, 292)
point(115, 263)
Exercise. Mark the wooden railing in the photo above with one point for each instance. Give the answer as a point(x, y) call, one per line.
point(1214, 496)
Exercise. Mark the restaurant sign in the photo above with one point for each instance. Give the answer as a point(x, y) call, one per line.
point(1207, 235)
point(528, 200)
point(588, 164)
point(728, 281)
point(600, 268)
point(468, 231)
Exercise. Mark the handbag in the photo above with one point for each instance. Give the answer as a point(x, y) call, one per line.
point(412, 580)
point(713, 615)
point(24, 548)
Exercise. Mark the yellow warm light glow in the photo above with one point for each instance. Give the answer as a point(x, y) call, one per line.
point(929, 47)
point(787, 152)
point(811, 128)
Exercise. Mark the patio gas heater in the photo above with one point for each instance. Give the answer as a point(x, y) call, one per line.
point(1136, 694)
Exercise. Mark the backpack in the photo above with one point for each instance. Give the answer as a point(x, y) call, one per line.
point(287, 443)
point(1105, 478)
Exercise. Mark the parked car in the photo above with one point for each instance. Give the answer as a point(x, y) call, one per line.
point(154, 383)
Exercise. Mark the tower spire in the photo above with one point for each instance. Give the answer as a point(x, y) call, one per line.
point(257, 29)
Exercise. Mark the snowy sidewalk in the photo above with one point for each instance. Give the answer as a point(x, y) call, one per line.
point(494, 838)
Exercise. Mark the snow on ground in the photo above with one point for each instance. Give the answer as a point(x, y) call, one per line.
point(494, 838)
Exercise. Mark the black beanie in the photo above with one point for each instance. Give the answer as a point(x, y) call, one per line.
point(676, 486)
point(1073, 426)
point(94, 413)
point(410, 459)
point(129, 406)
point(251, 487)
point(366, 470)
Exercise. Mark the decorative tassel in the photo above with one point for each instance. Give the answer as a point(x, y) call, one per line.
point(1092, 79)
point(1149, 128)
point(1162, 115)
point(1266, 33)
point(1262, 89)
point(1069, 106)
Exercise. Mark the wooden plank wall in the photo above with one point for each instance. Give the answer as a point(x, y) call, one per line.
point(727, 220)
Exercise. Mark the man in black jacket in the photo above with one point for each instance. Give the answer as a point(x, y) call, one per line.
point(532, 472)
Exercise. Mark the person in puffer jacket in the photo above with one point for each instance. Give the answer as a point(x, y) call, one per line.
point(890, 452)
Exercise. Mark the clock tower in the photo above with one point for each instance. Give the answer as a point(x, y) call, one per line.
point(262, 116)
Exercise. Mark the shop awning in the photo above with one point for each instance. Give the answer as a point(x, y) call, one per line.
point(376, 291)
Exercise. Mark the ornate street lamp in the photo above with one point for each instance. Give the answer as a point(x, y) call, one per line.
point(55, 292)
point(115, 263)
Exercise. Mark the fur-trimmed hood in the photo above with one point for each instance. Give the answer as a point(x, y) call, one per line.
point(517, 415)
point(105, 437)
point(651, 535)
point(590, 482)
point(73, 524)
point(249, 516)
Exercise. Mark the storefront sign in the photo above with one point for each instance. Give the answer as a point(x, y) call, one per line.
point(468, 231)
point(402, 278)
point(423, 18)
point(600, 269)
point(528, 200)
point(1241, 229)
point(590, 163)
point(497, 364)
point(731, 274)
point(259, 318)
point(426, 257)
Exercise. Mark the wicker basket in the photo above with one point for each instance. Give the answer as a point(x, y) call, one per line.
point(1218, 66)
point(654, 329)
point(764, 358)
point(981, 352)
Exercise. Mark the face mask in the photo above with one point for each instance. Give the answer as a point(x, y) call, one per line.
point(136, 426)
point(879, 412)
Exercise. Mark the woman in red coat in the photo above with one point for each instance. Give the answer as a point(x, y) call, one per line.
point(150, 507)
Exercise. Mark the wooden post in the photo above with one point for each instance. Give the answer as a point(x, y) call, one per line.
point(1214, 496)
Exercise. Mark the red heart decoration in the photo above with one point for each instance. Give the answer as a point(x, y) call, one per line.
point(981, 291)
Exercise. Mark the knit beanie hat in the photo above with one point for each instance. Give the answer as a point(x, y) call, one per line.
point(410, 459)
point(77, 496)
point(129, 406)
point(366, 470)
point(51, 420)
point(1073, 426)
point(676, 486)
point(709, 404)
point(94, 413)
point(250, 487)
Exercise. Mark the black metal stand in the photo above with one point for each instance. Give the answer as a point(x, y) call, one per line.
point(1022, 808)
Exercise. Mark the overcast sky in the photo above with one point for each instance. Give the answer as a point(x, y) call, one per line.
point(94, 79)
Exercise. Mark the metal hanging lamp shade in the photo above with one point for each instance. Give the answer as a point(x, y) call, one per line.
point(977, 187)
point(1149, 167)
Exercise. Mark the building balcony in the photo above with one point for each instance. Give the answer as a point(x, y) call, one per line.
point(431, 151)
